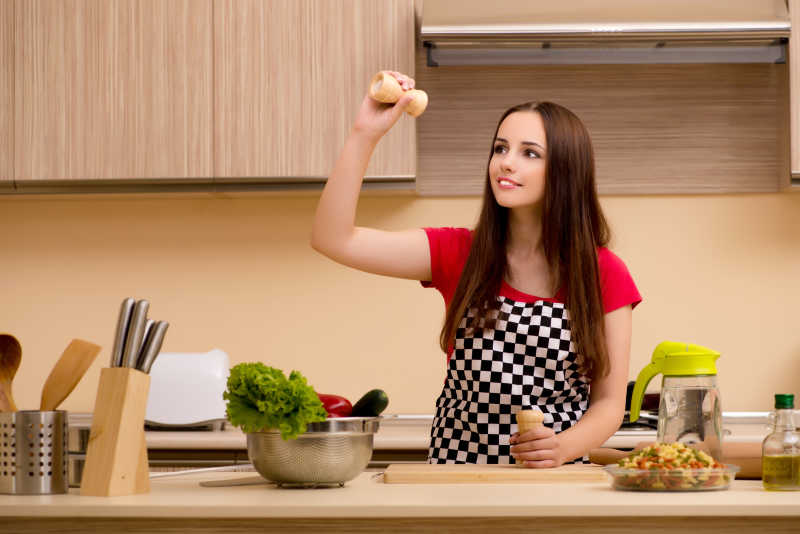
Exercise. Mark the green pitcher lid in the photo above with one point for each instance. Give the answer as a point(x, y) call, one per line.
point(784, 400)
point(689, 360)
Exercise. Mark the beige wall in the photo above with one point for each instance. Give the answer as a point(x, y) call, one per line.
point(237, 273)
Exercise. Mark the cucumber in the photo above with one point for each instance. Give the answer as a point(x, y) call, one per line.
point(371, 404)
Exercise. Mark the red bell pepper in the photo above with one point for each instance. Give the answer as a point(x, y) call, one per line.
point(335, 405)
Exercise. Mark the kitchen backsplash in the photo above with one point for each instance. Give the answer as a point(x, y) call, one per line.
point(238, 273)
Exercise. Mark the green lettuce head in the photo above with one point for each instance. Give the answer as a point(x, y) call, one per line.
point(261, 397)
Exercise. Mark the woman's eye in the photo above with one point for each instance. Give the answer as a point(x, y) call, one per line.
point(531, 154)
point(499, 149)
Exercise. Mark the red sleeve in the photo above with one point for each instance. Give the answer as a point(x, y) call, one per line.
point(449, 250)
point(616, 283)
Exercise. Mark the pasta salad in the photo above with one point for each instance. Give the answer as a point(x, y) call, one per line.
point(671, 467)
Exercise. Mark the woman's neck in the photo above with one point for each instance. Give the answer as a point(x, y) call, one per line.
point(525, 233)
point(527, 265)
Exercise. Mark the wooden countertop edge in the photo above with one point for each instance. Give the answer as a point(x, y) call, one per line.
point(365, 497)
point(243, 512)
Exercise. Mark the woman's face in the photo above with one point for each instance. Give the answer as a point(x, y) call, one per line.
point(517, 167)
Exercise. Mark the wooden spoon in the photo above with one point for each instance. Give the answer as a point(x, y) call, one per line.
point(10, 356)
point(67, 372)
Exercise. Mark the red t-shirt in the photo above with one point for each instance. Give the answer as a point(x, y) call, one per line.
point(526, 360)
point(450, 248)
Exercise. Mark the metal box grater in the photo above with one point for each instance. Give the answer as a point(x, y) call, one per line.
point(33, 452)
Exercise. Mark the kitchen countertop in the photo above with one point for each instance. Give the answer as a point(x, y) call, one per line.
point(366, 497)
point(412, 432)
point(411, 435)
point(408, 438)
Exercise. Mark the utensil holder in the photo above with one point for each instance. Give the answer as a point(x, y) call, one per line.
point(116, 459)
point(33, 452)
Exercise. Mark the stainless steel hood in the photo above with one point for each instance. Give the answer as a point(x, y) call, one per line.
point(476, 32)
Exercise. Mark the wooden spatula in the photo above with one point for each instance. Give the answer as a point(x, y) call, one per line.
point(67, 372)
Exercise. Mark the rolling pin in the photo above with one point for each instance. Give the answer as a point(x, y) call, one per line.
point(385, 88)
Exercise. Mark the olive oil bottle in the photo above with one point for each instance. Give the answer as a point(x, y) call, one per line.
point(780, 451)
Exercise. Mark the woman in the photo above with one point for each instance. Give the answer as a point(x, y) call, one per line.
point(539, 312)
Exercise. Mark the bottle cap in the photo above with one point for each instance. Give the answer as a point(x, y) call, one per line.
point(784, 400)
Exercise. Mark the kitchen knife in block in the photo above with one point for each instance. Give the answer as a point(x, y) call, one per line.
point(116, 459)
point(489, 474)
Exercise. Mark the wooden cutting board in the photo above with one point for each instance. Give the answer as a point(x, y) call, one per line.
point(489, 474)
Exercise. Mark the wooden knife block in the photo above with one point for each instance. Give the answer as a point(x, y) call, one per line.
point(116, 459)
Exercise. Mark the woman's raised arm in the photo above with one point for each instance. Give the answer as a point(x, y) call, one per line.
point(402, 254)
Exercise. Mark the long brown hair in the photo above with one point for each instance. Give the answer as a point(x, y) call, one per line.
point(573, 227)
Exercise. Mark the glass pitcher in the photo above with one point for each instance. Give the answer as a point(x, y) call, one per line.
point(690, 409)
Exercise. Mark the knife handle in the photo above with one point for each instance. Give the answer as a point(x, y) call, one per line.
point(125, 312)
point(148, 333)
point(133, 343)
point(152, 346)
point(147, 339)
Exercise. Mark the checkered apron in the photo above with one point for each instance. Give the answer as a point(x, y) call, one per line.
point(527, 360)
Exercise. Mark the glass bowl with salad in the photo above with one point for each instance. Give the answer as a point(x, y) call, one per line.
point(670, 467)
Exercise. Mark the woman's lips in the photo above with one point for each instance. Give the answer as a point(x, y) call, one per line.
point(506, 183)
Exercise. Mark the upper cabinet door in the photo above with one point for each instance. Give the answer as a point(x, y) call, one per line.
point(6, 94)
point(290, 76)
point(113, 89)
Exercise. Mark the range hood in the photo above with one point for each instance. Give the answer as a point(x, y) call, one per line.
point(520, 32)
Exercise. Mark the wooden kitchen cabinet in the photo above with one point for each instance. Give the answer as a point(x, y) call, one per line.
point(6, 94)
point(112, 89)
point(290, 76)
point(656, 129)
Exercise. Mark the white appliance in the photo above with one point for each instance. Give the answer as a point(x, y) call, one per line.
point(186, 388)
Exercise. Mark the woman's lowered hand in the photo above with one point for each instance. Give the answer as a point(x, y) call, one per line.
point(538, 447)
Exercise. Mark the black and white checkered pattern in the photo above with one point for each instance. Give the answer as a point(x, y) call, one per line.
point(528, 360)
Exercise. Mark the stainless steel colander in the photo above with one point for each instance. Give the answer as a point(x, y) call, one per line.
point(329, 452)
